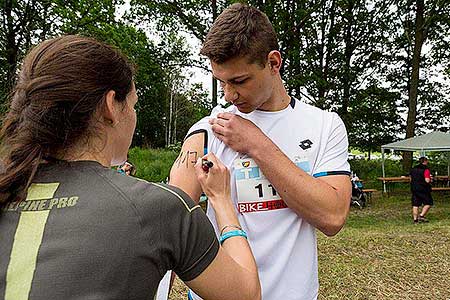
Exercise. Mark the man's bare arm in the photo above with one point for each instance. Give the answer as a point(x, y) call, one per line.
point(182, 173)
point(328, 197)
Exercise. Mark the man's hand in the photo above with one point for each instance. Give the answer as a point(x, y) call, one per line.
point(238, 133)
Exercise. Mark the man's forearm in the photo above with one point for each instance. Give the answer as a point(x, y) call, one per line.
point(314, 200)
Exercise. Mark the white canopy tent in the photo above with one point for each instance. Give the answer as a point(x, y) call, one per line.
point(430, 142)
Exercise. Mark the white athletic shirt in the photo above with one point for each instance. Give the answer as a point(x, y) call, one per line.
point(283, 244)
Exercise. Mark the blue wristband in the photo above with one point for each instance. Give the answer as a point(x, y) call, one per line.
point(233, 233)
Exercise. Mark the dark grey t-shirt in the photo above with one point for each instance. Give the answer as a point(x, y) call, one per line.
point(87, 232)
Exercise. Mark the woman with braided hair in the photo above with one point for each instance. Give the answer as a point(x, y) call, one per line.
point(73, 228)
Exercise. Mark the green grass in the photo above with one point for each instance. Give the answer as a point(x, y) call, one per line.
point(381, 254)
point(152, 164)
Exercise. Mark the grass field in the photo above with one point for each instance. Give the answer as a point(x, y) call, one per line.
point(380, 254)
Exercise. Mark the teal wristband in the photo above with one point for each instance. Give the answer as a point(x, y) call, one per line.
point(233, 233)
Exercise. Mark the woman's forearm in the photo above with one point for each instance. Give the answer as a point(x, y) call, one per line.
point(237, 246)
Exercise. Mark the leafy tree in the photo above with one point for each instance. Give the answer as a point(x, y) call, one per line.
point(44, 19)
point(167, 105)
point(191, 107)
point(150, 85)
point(374, 118)
point(418, 25)
point(339, 55)
point(19, 26)
point(172, 17)
point(25, 23)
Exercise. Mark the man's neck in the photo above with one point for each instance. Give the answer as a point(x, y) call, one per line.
point(279, 99)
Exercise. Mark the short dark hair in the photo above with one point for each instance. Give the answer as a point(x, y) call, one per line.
point(240, 31)
point(423, 159)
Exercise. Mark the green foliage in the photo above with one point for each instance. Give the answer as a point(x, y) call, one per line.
point(175, 16)
point(156, 64)
point(373, 119)
point(85, 16)
point(189, 107)
point(370, 170)
point(352, 57)
point(337, 53)
point(26, 23)
point(422, 46)
point(152, 164)
point(151, 88)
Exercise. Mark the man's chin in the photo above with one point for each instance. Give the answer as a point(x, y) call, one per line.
point(244, 109)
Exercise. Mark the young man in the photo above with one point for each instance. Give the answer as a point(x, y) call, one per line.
point(288, 160)
point(421, 190)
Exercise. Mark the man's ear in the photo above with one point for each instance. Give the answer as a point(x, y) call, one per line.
point(110, 112)
point(274, 60)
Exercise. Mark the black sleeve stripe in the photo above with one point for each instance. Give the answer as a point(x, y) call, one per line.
point(329, 173)
point(205, 141)
point(292, 103)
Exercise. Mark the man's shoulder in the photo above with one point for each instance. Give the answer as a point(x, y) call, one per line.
point(311, 110)
point(311, 115)
point(203, 123)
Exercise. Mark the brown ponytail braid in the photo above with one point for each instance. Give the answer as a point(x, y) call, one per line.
point(61, 84)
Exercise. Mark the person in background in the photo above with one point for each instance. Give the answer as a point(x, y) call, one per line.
point(73, 228)
point(421, 190)
point(127, 169)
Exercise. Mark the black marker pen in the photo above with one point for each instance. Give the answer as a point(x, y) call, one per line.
point(206, 165)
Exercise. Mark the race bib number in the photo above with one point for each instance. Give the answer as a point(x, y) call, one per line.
point(254, 192)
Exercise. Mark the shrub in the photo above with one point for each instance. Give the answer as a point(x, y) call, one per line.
point(152, 164)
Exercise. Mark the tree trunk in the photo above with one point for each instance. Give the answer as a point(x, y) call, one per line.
point(169, 125)
point(12, 48)
point(321, 53)
point(325, 52)
point(348, 52)
point(420, 36)
point(214, 81)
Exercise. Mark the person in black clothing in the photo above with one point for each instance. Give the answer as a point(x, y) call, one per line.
point(421, 190)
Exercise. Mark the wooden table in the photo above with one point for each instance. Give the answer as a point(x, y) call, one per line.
point(441, 180)
point(442, 189)
point(387, 181)
point(395, 179)
point(437, 180)
point(369, 192)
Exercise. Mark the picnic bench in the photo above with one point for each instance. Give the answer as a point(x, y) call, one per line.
point(404, 179)
point(369, 192)
point(389, 181)
point(442, 189)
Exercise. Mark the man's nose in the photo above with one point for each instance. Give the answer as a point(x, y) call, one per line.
point(230, 93)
